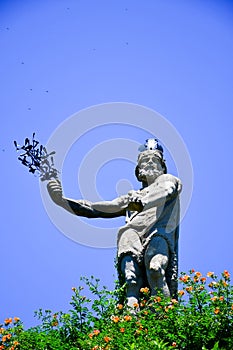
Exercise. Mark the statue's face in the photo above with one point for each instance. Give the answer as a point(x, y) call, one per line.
point(150, 162)
point(150, 166)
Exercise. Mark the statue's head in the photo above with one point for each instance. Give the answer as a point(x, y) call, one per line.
point(150, 161)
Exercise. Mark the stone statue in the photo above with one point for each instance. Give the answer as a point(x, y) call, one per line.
point(147, 246)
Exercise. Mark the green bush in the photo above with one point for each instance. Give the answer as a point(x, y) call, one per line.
point(201, 318)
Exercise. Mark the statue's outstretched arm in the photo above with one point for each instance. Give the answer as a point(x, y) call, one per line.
point(108, 209)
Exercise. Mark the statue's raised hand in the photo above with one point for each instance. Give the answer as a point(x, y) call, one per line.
point(55, 191)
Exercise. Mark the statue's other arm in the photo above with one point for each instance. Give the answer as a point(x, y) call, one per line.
point(106, 209)
point(164, 189)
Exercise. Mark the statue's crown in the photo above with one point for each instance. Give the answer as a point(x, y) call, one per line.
point(150, 145)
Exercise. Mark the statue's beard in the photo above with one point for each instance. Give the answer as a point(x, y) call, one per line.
point(145, 175)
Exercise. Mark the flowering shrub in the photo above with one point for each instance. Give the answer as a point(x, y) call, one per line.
point(201, 318)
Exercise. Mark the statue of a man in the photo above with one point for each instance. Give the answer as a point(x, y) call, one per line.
point(147, 246)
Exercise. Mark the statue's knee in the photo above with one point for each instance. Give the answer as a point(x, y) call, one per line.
point(156, 265)
point(156, 271)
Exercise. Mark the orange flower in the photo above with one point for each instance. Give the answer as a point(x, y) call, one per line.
point(73, 289)
point(107, 339)
point(16, 319)
point(16, 343)
point(174, 301)
point(225, 284)
point(54, 324)
point(120, 306)
point(192, 271)
point(2, 330)
point(217, 310)
point(214, 298)
point(232, 307)
point(95, 332)
point(221, 298)
point(2, 347)
point(8, 321)
point(226, 274)
point(210, 274)
point(198, 274)
point(181, 292)
point(213, 284)
point(189, 289)
point(144, 290)
point(143, 303)
point(203, 279)
point(122, 330)
point(157, 299)
point(6, 337)
point(168, 307)
point(115, 319)
point(136, 305)
point(145, 312)
point(185, 278)
point(127, 318)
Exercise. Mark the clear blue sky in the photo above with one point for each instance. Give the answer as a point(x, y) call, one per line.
point(59, 57)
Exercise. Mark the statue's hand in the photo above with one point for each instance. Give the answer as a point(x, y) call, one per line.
point(134, 198)
point(55, 191)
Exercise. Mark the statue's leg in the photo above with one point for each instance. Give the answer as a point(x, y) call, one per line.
point(156, 261)
point(133, 278)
